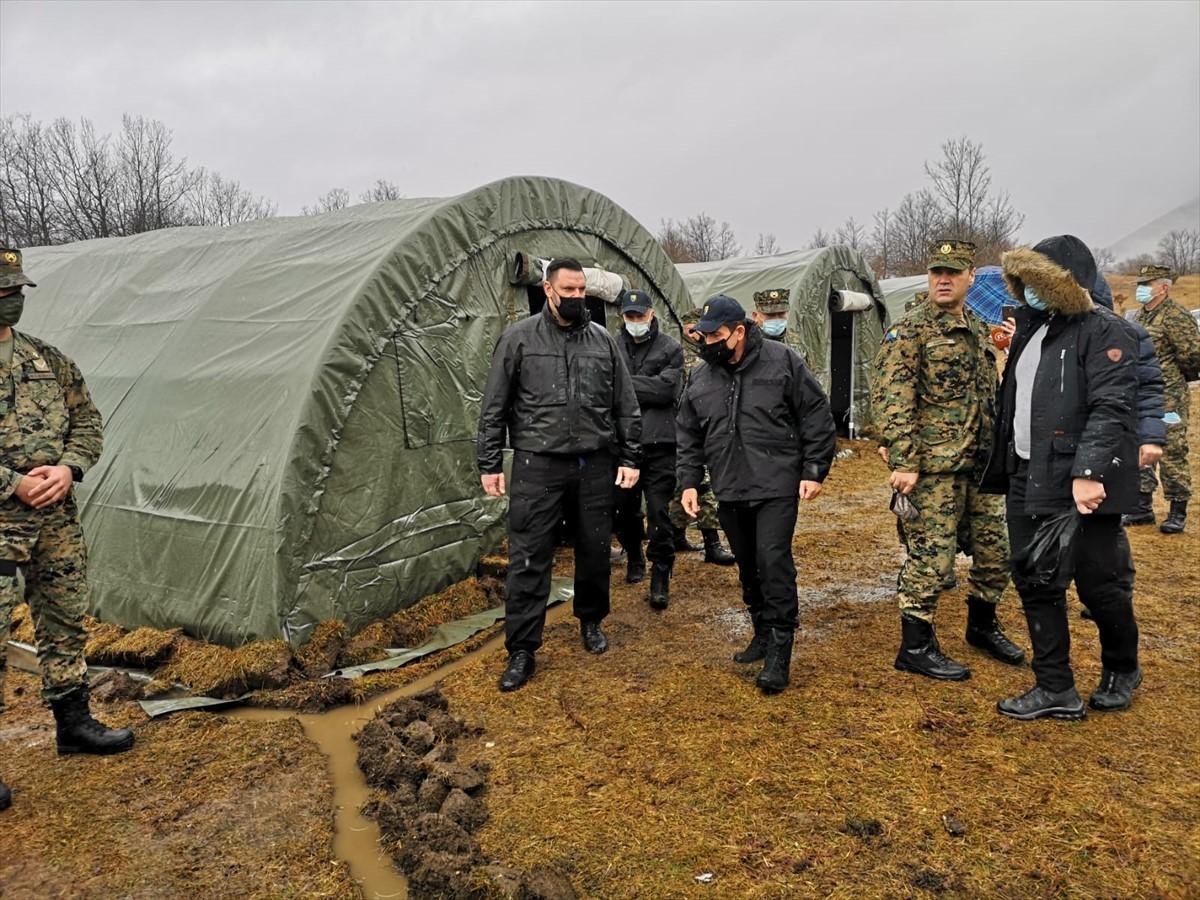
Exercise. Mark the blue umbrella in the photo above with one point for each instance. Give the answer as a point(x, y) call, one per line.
point(989, 295)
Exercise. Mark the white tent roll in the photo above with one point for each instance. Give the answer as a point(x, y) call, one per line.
point(851, 301)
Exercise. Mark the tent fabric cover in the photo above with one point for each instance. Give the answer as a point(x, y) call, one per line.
point(291, 404)
point(811, 275)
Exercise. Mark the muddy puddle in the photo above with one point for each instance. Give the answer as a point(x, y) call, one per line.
point(356, 838)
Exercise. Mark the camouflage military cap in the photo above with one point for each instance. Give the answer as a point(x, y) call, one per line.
point(773, 301)
point(692, 316)
point(948, 253)
point(1153, 273)
point(11, 274)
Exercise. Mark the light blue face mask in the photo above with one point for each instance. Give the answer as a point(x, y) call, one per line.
point(1032, 300)
point(774, 327)
point(637, 330)
point(1143, 293)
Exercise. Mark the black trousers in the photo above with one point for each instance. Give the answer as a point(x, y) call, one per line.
point(541, 484)
point(657, 484)
point(1103, 578)
point(760, 535)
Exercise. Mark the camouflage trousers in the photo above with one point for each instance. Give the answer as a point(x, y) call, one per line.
point(1173, 467)
point(932, 540)
point(47, 546)
point(707, 519)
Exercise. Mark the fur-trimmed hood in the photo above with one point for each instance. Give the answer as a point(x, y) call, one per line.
point(1057, 269)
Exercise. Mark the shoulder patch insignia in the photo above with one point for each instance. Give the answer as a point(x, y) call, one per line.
point(1114, 354)
point(892, 333)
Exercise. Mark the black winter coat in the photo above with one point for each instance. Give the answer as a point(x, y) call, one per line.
point(1150, 405)
point(761, 428)
point(1082, 424)
point(558, 390)
point(656, 365)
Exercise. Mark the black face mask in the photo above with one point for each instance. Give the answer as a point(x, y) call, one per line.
point(11, 308)
point(718, 353)
point(571, 309)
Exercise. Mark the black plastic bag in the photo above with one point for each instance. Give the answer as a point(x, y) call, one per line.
point(1049, 561)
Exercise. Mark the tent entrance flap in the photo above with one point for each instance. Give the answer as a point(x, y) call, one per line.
point(841, 369)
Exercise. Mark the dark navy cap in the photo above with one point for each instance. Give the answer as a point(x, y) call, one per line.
point(720, 310)
point(635, 301)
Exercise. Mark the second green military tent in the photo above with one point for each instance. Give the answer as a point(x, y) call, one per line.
point(836, 315)
point(291, 404)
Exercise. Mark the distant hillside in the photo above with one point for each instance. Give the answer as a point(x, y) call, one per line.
point(1146, 238)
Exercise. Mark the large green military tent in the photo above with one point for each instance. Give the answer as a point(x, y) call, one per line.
point(837, 313)
point(291, 404)
point(898, 293)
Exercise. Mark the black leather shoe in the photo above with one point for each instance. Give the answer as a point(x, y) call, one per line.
point(713, 551)
point(5, 797)
point(1115, 690)
point(983, 631)
point(920, 653)
point(594, 640)
point(1174, 522)
point(757, 648)
point(78, 732)
point(520, 669)
point(777, 666)
point(635, 569)
point(1039, 703)
point(1143, 513)
point(660, 586)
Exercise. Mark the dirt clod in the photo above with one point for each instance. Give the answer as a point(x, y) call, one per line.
point(466, 811)
point(419, 736)
point(431, 795)
point(114, 685)
point(928, 880)
point(548, 884)
point(862, 828)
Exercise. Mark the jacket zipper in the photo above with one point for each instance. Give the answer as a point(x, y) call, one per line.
point(1062, 371)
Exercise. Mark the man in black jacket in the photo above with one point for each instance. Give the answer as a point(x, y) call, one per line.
point(655, 362)
point(1067, 438)
point(755, 415)
point(559, 391)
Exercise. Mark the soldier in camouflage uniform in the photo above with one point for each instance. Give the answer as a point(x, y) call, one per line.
point(714, 552)
point(1177, 343)
point(50, 436)
point(935, 395)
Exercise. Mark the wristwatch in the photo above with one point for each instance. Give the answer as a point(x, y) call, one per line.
point(76, 473)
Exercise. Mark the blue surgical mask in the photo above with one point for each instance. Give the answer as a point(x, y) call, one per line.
point(774, 327)
point(1143, 293)
point(637, 330)
point(1032, 300)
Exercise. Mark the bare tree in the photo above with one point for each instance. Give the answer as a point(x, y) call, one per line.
point(153, 182)
point(1105, 260)
point(961, 180)
point(850, 234)
point(1133, 265)
point(1181, 251)
point(28, 215)
point(918, 220)
point(766, 245)
point(381, 190)
point(698, 239)
point(819, 239)
point(999, 230)
point(223, 201)
point(880, 247)
point(335, 199)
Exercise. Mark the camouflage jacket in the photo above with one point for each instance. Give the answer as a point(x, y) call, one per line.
point(935, 391)
point(1177, 343)
point(47, 417)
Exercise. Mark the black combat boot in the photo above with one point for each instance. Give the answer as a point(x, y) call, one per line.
point(1039, 703)
point(1143, 513)
point(1115, 690)
point(682, 544)
point(520, 669)
point(78, 732)
point(5, 797)
point(983, 631)
point(778, 665)
point(635, 569)
point(660, 585)
point(920, 653)
point(757, 648)
point(713, 551)
point(593, 637)
point(1173, 523)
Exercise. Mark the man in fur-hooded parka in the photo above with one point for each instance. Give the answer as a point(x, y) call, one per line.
point(1066, 439)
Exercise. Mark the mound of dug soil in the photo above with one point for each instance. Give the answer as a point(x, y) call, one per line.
point(428, 806)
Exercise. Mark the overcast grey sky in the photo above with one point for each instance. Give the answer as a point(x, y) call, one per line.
point(777, 117)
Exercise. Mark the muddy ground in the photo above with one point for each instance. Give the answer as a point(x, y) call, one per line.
point(640, 771)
